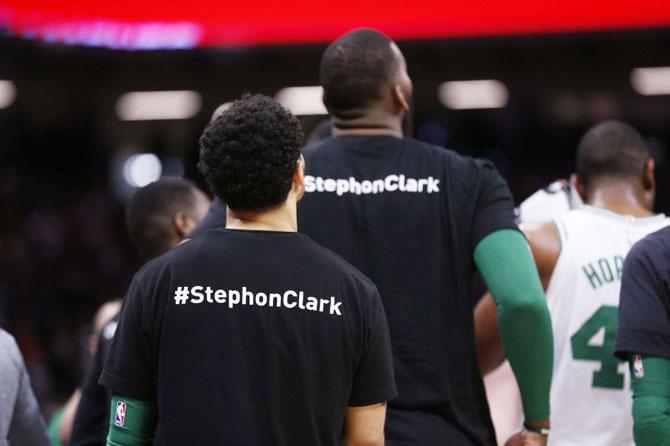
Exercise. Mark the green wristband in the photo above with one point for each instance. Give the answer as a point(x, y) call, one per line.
point(131, 422)
point(650, 376)
point(651, 400)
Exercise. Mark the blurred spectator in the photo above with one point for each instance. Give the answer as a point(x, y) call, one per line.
point(20, 419)
point(65, 252)
point(60, 425)
point(159, 216)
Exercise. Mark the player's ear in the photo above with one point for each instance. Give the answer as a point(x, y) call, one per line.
point(299, 178)
point(299, 174)
point(183, 224)
point(648, 177)
point(399, 98)
point(580, 187)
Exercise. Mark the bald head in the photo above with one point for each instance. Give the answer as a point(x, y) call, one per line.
point(355, 70)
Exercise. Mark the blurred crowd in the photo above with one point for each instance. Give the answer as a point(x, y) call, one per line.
point(63, 255)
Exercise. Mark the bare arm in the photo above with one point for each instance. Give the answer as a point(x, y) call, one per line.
point(545, 246)
point(364, 426)
point(68, 417)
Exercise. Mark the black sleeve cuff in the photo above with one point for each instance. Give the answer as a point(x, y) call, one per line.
point(646, 343)
point(374, 397)
point(119, 386)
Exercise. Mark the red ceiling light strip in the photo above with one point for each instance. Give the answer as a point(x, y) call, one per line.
point(178, 24)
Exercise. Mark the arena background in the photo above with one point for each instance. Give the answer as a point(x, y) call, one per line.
point(69, 158)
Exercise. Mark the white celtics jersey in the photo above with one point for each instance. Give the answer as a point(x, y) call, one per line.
point(590, 395)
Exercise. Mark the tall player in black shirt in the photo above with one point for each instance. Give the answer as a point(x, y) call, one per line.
point(416, 219)
point(252, 334)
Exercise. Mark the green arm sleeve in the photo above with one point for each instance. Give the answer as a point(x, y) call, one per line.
point(131, 422)
point(651, 400)
point(506, 264)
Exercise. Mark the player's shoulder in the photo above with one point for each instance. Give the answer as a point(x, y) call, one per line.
point(461, 170)
point(159, 265)
point(580, 214)
point(576, 226)
point(471, 171)
point(316, 149)
point(558, 190)
point(333, 147)
point(333, 263)
point(419, 149)
point(458, 162)
point(546, 204)
point(427, 149)
point(655, 246)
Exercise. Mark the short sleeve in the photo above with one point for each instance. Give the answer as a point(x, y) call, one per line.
point(644, 322)
point(128, 369)
point(495, 205)
point(374, 381)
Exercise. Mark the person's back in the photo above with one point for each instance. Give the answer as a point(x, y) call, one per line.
point(272, 357)
point(20, 420)
point(590, 399)
point(252, 334)
point(405, 213)
point(416, 219)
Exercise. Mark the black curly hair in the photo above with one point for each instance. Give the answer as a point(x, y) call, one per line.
point(248, 154)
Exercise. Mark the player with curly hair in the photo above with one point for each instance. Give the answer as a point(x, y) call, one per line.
point(252, 333)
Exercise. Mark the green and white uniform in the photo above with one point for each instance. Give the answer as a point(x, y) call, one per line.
point(590, 396)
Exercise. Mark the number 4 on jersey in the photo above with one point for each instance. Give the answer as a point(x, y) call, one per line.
point(608, 376)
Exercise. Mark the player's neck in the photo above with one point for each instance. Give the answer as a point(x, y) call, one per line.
point(622, 198)
point(368, 123)
point(282, 218)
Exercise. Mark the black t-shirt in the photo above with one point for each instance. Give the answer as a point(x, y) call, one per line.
point(91, 421)
point(409, 216)
point(251, 337)
point(644, 308)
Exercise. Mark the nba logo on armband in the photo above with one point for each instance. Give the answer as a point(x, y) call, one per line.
point(120, 414)
point(638, 367)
